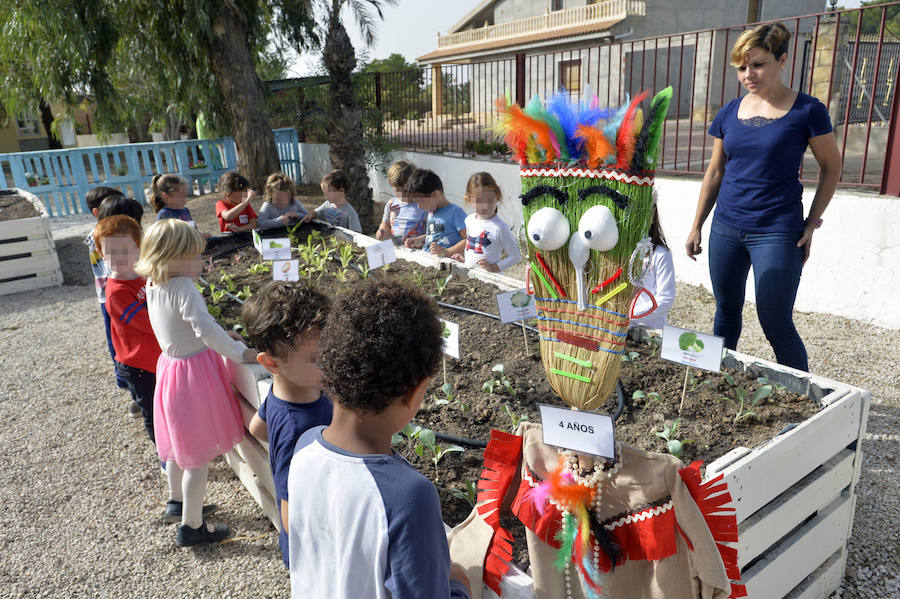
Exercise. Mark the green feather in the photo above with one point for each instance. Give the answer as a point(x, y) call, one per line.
point(566, 538)
point(536, 110)
point(659, 107)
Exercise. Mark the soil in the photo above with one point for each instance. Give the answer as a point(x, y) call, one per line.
point(13, 207)
point(484, 343)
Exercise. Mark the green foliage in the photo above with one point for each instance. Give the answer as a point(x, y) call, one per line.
point(364, 269)
point(648, 398)
point(441, 285)
point(227, 280)
point(261, 268)
point(669, 435)
point(244, 294)
point(450, 399)
point(345, 253)
point(470, 495)
point(514, 419)
point(630, 356)
point(482, 146)
point(341, 275)
point(871, 19)
point(216, 293)
point(500, 380)
point(215, 311)
point(745, 408)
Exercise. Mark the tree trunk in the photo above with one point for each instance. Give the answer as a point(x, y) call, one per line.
point(47, 120)
point(242, 91)
point(344, 128)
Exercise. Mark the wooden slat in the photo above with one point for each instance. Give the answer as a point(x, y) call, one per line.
point(40, 264)
point(48, 280)
point(813, 493)
point(32, 246)
point(257, 459)
point(774, 467)
point(257, 492)
point(800, 554)
point(823, 581)
point(32, 228)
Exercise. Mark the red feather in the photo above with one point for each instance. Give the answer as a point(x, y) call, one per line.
point(625, 138)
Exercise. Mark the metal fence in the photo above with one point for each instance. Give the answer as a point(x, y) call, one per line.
point(61, 178)
point(833, 56)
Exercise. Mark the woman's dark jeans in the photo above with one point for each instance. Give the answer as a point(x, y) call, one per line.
point(777, 263)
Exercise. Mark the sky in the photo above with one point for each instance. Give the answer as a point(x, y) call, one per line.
point(411, 29)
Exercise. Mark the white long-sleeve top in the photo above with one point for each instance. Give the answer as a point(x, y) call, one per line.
point(659, 279)
point(489, 240)
point(181, 323)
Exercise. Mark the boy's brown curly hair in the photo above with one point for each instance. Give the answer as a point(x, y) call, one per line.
point(277, 316)
point(380, 340)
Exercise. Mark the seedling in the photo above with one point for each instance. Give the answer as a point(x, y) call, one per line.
point(199, 287)
point(515, 420)
point(630, 356)
point(364, 269)
point(696, 382)
point(227, 280)
point(503, 381)
point(407, 433)
point(470, 495)
point(261, 268)
point(655, 344)
point(341, 275)
point(244, 293)
point(427, 441)
point(744, 408)
point(441, 285)
point(214, 311)
point(216, 294)
point(346, 255)
point(764, 381)
point(648, 398)
point(449, 399)
point(418, 278)
point(669, 434)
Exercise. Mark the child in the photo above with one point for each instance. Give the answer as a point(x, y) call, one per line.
point(488, 237)
point(335, 209)
point(362, 521)
point(658, 279)
point(234, 211)
point(119, 238)
point(401, 219)
point(168, 196)
point(195, 414)
point(283, 322)
point(281, 208)
point(445, 226)
point(93, 199)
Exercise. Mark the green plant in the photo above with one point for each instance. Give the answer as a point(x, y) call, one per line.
point(407, 433)
point(244, 293)
point(364, 269)
point(630, 356)
point(418, 278)
point(655, 344)
point(345, 254)
point(695, 382)
point(227, 280)
point(515, 419)
point(669, 434)
point(470, 495)
point(503, 381)
point(427, 440)
point(764, 381)
point(745, 409)
point(216, 294)
point(648, 398)
point(260, 268)
point(341, 275)
point(450, 399)
point(199, 287)
point(215, 311)
point(441, 284)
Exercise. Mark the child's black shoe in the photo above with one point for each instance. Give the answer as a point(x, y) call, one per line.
point(188, 537)
point(173, 511)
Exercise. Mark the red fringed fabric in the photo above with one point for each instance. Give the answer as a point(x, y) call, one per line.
point(650, 539)
point(713, 498)
point(501, 464)
point(546, 526)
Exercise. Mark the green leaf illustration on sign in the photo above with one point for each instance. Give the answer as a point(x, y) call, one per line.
point(688, 342)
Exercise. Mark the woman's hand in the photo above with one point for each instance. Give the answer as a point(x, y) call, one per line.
point(806, 241)
point(692, 245)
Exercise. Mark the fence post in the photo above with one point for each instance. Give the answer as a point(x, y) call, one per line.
point(520, 79)
point(378, 90)
point(890, 175)
point(437, 90)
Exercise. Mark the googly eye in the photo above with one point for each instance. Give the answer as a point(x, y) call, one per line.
point(548, 229)
point(598, 229)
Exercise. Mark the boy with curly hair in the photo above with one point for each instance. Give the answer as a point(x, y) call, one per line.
point(373, 527)
point(283, 321)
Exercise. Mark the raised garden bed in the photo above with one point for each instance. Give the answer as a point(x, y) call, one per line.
point(792, 468)
point(28, 257)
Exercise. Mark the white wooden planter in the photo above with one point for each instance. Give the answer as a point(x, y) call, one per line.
point(28, 257)
point(795, 495)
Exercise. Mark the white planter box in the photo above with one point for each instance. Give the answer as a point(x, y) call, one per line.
point(28, 257)
point(795, 495)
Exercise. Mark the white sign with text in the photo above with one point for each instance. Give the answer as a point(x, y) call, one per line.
point(286, 270)
point(515, 306)
point(691, 348)
point(380, 254)
point(579, 431)
point(451, 338)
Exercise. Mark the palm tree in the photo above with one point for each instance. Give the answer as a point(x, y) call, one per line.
point(344, 128)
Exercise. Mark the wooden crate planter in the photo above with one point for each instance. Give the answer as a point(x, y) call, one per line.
point(795, 495)
point(28, 257)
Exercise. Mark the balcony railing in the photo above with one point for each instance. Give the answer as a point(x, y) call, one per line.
point(546, 23)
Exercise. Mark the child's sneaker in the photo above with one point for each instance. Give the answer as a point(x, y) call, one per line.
point(187, 536)
point(134, 410)
point(173, 511)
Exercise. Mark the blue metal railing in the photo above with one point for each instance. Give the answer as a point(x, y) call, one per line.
point(61, 178)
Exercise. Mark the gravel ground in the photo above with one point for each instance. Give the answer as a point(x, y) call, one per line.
point(81, 492)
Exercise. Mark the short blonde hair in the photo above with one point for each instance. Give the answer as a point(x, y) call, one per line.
point(399, 173)
point(279, 182)
point(164, 241)
point(773, 38)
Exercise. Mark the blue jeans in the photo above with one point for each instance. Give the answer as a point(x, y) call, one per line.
point(120, 382)
point(777, 263)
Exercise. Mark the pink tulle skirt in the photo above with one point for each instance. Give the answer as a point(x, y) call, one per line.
point(195, 412)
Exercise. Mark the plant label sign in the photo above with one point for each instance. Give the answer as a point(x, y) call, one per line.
point(276, 249)
point(578, 431)
point(451, 337)
point(516, 305)
point(380, 254)
point(286, 270)
point(692, 348)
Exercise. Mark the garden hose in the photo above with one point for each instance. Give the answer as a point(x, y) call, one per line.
point(480, 313)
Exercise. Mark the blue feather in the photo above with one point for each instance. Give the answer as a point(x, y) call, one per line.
point(570, 115)
point(613, 125)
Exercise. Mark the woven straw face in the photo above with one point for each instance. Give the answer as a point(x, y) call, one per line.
point(581, 348)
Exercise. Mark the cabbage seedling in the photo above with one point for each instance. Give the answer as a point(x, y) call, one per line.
point(515, 420)
point(470, 495)
point(648, 398)
point(744, 408)
point(503, 381)
point(673, 445)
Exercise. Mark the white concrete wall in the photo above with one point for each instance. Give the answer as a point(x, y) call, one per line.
point(853, 271)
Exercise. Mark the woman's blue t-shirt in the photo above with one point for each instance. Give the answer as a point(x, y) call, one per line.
point(760, 190)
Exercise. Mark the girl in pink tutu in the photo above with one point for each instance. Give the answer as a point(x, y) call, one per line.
point(196, 414)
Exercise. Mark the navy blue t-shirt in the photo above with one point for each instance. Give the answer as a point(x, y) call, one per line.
point(181, 214)
point(761, 190)
point(286, 422)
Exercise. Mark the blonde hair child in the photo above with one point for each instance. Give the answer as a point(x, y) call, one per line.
point(196, 417)
point(490, 244)
point(281, 208)
point(402, 219)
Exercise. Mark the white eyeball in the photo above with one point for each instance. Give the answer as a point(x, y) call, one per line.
point(548, 229)
point(598, 229)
